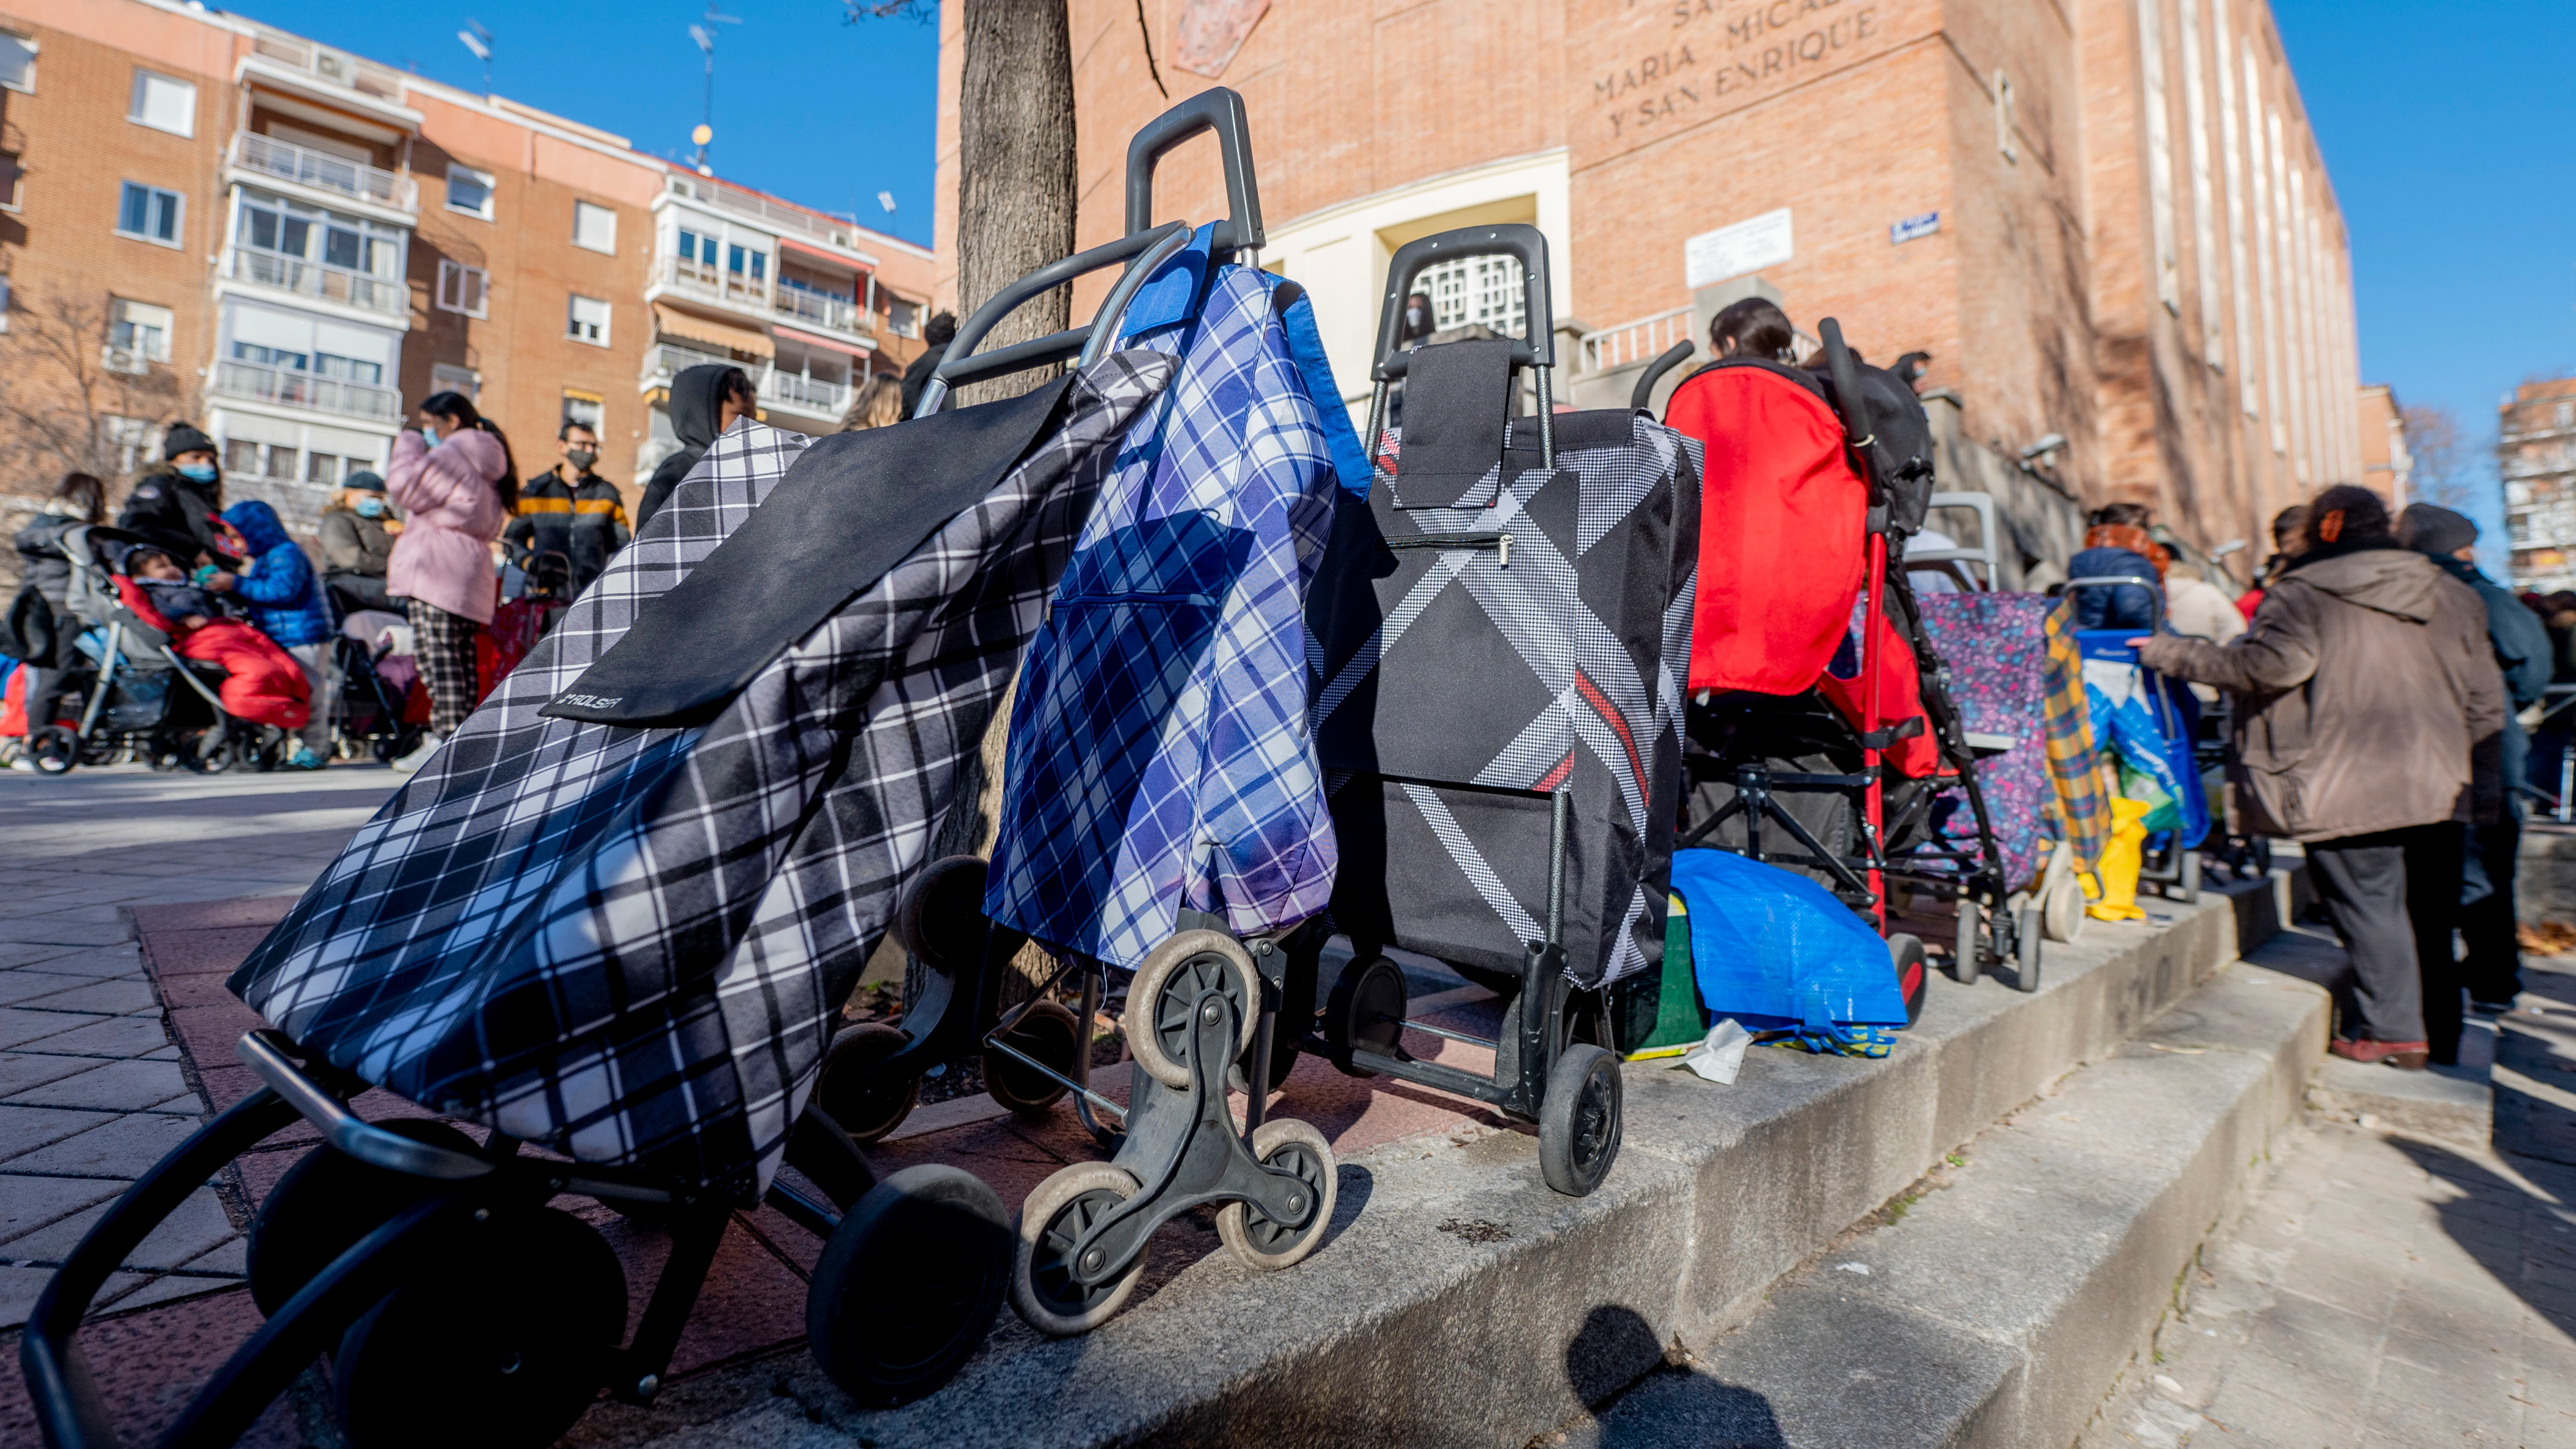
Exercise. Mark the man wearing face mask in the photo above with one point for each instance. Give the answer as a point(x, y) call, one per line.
point(178, 504)
point(357, 544)
point(569, 510)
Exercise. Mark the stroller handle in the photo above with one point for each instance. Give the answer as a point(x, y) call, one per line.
point(959, 365)
point(1512, 239)
point(1642, 397)
point(1220, 110)
point(1849, 402)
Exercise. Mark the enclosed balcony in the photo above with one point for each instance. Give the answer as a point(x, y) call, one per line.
point(704, 279)
point(303, 166)
point(288, 388)
point(805, 394)
point(386, 296)
point(821, 309)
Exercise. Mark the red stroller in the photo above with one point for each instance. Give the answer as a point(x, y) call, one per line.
point(1819, 709)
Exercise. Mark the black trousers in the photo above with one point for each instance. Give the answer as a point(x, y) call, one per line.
point(2394, 896)
point(2493, 964)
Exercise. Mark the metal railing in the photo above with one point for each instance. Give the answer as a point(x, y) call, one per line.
point(387, 295)
point(336, 67)
point(767, 212)
point(811, 393)
point(1634, 341)
point(307, 167)
point(822, 309)
point(716, 282)
point(286, 387)
point(668, 360)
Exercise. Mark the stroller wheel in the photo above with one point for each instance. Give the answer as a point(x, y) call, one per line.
point(1968, 959)
point(519, 1318)
point(937, 913)
point(2026, 950)
point(1366, 1010)
point(209, 759)
point(53, 750)
point(1049, 1033)
point(1912, 979)
point(908, 1284)
point(1058, 1213)
point(324, 1204)
point(1167, 987)
point(1579, 1124)
point(1256, 1241)
point(866, 1104)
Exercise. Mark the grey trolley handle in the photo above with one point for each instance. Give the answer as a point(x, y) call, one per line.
point(1518, 240)
point(1219, 110)
point(959, 365)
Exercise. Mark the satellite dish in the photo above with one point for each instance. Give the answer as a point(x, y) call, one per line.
point(699, 34)
point(702, 134)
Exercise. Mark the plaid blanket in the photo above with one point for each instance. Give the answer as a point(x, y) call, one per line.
point(1158, 755)
point(2083, 805)
point(627, 943)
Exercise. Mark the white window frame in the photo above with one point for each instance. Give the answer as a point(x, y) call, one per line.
point(178, 215)
point(14, 198)
point(481, 178)
point(448, 377)
point(450, 296)
point(118, 318)
point(34, 48)
point(608, 246)
point(573, 324)
point(135, 110)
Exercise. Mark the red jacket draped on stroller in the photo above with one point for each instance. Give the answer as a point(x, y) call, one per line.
point(262, 682)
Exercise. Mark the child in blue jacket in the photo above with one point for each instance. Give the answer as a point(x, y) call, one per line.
point(286, 603)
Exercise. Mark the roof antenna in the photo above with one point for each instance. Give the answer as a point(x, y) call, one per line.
point(706, 40)
point(479, 40)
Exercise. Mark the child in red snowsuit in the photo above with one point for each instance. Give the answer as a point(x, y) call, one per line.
point(262, 683)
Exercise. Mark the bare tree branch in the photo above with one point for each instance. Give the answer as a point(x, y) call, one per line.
point(2441, 453)
point(58, 396)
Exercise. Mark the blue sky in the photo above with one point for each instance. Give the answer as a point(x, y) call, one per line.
point(2443, 128)
point(815, 110)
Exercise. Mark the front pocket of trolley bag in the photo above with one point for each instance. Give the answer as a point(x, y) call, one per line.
point(1456, 872)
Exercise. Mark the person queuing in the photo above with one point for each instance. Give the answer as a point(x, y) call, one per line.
point(569, 510)
point(879, 404)
point(178, 503)
point(941, 330)
point(2492, 963)
point(2370, 710)
point(454, 480)
point(78, 501)
point(357, 532)
point(705, 400)
point(2289, 537)
point(2117, 545)
point(286, 604)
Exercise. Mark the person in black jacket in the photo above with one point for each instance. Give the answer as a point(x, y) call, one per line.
point(178, 504)
point(704, 402)
point(941, 331)
point(569, 510)
point(79, 500)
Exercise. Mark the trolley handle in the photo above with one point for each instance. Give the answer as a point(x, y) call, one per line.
point(1220, 110)
point(1642, 398)
point(265, 1052)
point(959, 365)
point(1511, 239)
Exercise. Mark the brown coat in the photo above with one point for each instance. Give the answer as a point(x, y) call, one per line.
point(2367, 698)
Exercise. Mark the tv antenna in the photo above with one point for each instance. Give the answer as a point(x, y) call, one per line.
point(706, 39)
point(479, 40)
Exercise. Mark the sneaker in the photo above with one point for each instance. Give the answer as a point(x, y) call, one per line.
point(2491, 1008)
point(305, 759)
point(22, 763)
point(420, 754)
point(2406, 1056)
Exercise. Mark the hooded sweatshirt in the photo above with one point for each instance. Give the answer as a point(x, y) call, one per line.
point(695, 404)
point(176, 514)
point(452, 513)
point(285, 599)
point(2370, 696)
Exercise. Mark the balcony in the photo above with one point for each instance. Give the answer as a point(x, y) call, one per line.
point(668, 360)
point(384, 296)
point(287, 388)
point(699, 279)
point(822, 309)
point(805, 394)
point(323, 172)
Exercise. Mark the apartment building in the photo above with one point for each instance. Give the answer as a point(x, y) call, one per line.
point(2106, 220)
point(213, 220)
point(2536, 456)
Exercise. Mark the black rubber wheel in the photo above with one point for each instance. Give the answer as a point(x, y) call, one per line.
point(1048, 1032)
point(940, 915)
point(53, 750)
point(209, 759)
point(1052, 1220)
point(1358, 1012)
point(500, 1340)
point(867, 1104)
point(1975, 943)
point(2026, 954)
point(1294, 1147)
point(1579, 1123)
point(1906, 954)
point(909, 1284)
point(1166, 991)
point(324, 1204)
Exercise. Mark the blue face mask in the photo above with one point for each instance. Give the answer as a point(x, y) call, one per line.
point(371, 508)
point(197, 472)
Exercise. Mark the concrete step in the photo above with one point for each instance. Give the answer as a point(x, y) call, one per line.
point(1993, 1307)
point(1460, 1302)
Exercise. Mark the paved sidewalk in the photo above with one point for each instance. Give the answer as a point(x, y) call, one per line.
point(91, 1088)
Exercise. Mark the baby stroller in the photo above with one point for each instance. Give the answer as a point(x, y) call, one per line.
point(1495, 644)
point(612, 921)
point(136, 697)
point(1827, 718)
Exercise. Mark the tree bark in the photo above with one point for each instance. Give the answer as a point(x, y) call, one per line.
point(1015, 167)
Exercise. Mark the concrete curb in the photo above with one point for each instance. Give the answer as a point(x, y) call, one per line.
point(1460, 1302)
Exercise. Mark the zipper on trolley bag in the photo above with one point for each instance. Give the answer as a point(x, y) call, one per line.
point(1497, 543)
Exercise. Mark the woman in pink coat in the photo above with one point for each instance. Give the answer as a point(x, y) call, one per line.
point(456, 484)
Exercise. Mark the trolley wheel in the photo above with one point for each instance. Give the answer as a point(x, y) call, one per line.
point(866, 1109)
point(2186, 887)
point(2061, 905)
point(1256, 1241)
point(324, 1204)
point(1357, 1013)
point(1975, 943)
point(1579, 1123)
point(1906, 953)
point(1054, 1217)
point(948, 891)
point(2026, 950)
point(908, 1284)
point(1049, 1033)
point(519, 1320)
point(1168, 986)
point(53, 750)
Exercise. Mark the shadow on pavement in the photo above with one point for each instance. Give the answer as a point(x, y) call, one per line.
point(1671, 1405)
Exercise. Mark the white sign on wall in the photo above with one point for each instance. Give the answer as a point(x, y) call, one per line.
point(1731, 251)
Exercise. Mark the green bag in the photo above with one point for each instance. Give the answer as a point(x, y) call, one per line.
point(1657, 1015)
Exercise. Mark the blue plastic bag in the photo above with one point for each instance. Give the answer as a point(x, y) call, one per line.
point(1778, 952)
point(2146, 721)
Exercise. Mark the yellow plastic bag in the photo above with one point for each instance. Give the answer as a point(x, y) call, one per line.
point(2121, 861)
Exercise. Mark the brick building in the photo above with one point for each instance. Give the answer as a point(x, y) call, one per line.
point(209, 219)
point(2387, 466)
point(2536, 456)
point(2105, 220)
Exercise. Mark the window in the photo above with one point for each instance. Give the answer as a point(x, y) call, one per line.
point(448, 377)
point(17, 62)
point(463, 289)
point(583, 408)
point(691, 245)
point(10, 174)
point(150, 214)
point(469, 191)
point(594, 227)
point(744, 262)
point(904, 318)
point(588, 321)
point(351, 369)
point(289, 228)
point(271, 356)
point(135, 440)
point(2005, 141)
point(259, 460)
point(324, 468)
point(139, 328)
point(164, 104)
